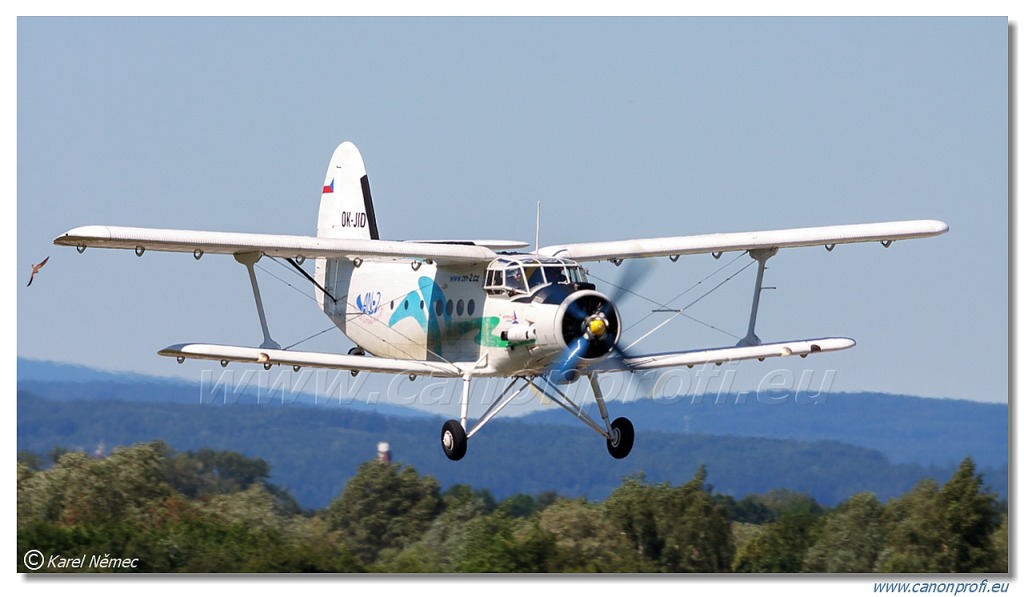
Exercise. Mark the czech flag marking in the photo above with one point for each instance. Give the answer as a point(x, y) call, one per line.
point(329, 188)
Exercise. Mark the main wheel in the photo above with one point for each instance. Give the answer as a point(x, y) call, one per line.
point(453, 440)
point(621, 441)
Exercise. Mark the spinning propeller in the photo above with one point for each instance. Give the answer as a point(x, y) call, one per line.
point(590, 325)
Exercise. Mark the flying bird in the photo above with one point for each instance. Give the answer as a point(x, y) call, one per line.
point(35, 270)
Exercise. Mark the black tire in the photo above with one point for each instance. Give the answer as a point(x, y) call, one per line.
point(621, 442)
point(453, 440)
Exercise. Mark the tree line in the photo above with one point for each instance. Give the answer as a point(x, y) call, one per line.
point(216, 511)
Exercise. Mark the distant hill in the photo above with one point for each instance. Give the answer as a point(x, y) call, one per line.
point(831, 449)
point(36, 370)
point(315, 450)
point(906, 429)
point(60, 381)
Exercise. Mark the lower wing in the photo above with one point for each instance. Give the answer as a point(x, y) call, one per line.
point(724, 355)
point(321, 360)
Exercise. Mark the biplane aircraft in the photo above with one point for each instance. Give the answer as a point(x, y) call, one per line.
point(477, 308)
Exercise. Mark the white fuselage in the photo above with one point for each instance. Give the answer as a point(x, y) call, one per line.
point(444, 314)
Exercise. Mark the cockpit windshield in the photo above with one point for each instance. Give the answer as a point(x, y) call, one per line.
point(512, 276)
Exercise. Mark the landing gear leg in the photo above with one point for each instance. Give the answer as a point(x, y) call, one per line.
point(620, 431)
point(453, 433)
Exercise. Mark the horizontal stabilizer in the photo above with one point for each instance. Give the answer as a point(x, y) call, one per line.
point(319, 360)
point(724, 355)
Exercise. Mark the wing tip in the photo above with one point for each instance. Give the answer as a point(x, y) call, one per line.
point(76, 236)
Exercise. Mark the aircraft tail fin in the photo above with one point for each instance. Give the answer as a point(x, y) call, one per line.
point(346, 209)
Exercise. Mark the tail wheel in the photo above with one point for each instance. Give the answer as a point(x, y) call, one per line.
point(453, 440)
point(621, 441)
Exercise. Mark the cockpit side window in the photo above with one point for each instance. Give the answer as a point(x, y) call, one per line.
point(514, 279)
point(494, 282)
point(556, 274)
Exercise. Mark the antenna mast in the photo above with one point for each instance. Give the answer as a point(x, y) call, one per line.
point(536, 246)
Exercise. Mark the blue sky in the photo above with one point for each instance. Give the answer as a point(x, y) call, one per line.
point(621, 128)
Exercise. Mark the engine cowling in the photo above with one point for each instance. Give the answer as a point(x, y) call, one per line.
point(573, 326)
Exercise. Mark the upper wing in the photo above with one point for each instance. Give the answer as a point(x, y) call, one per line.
point(747, 241)
point(722, 355)
point(321, 360)
point(274, 245)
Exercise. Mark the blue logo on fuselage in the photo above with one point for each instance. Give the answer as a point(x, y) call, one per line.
point(368, 303)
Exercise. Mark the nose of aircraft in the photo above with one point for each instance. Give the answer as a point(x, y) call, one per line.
point(589, 328)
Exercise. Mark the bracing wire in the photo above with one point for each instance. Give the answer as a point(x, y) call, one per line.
point(662, 307)
point(283, 281)
point(678, 312)
point(291, 346)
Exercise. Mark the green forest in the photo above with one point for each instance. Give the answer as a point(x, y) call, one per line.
point(149, 508)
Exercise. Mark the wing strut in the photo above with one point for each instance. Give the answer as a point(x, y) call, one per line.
point(761, 256)
point(249, 260)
